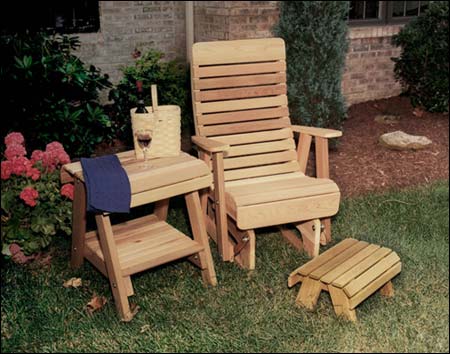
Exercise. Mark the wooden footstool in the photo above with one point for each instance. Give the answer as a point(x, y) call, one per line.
point(351, 271)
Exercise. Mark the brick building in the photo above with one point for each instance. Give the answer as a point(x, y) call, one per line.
point(128, 25)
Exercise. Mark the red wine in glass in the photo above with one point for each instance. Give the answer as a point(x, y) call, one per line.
point(144, 139)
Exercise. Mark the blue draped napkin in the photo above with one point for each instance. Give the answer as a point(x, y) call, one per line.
point(107, 185)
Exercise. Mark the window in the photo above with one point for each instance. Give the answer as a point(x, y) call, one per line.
point(364, 10)
point(382, 12)
point(68, 16)
point(408, 8)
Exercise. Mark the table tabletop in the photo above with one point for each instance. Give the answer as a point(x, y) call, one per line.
point(163, 178)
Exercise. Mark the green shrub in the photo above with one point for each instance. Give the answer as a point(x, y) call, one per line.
point(316, 46)
point(48, 93)
point(422, 67)
point(173, 88)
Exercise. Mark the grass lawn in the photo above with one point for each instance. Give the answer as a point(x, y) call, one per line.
point(248, 311)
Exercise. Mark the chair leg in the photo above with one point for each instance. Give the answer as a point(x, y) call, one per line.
point(246, 257)
point(211, 227)
point(310, 231)
point(199, 232)
point(291, 237)
point(326, 231)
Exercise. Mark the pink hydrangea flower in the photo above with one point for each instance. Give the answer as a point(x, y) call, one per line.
point(36, 156)
point(20, 165)
point(29, 196)
point(14, 150)
point(54, 146)
point(6, 167)
point(34, 173)
point(67, 191)
point(54, 155)
point(14, 138)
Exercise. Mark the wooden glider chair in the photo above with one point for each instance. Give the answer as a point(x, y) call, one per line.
point(244, 133)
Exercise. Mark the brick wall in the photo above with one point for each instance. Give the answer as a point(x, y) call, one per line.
point(224, 20)
point(129, 25)
point(126, 25)
point(369, 69)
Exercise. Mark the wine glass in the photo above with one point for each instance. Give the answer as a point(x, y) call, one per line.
point(144, 139)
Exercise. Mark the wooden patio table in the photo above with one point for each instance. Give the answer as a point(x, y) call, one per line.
point(118, 251)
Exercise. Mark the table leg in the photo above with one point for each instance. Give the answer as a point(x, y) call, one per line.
point(117, 281)
point(161, 209)
point(199, 231)
point(78, 224)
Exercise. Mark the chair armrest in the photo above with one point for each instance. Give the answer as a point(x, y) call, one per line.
point(209, 145)
point(319, 132)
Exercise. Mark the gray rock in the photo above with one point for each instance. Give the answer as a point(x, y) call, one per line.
point(387, 118)
point(399, 140)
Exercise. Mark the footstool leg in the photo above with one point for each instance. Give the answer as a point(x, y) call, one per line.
point(387, 290)
point(309, 293)
point(341, 303)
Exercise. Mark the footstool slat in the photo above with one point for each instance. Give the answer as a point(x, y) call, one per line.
point(370, 275)
point(360, 268)
point(336, 261)
point(324, 257)
point(375, 285)
point(351, 271)
point(349, 264)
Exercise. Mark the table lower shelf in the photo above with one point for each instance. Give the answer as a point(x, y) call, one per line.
point(142, 243)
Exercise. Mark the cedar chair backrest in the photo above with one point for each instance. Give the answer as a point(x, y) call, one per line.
point(239, 98)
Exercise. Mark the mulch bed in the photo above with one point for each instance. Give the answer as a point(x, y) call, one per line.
point(360, 164)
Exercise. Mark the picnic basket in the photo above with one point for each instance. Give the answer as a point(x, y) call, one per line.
point(165, 123)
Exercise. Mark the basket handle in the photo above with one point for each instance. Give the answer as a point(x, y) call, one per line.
point(154, 98)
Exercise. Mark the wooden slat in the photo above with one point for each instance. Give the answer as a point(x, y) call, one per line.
point(371, 274)
point(238, 93)
point(263, 179)
point(238, 69)
point(287, 211)
point(361, 267)
point(261, 171)
point(242, 116)
point(245, 127)
point(284, 193)
point(296, 180)
point(259, 148)
point(248, 138)
point(259, 160)
point(170, 191)
point(307, 268)
point(143, 180)
point(238, 51)
point(238, 105)
point(375, 285)
point(127, 226)
point(239, 81)
point(349, 264)
point(336, 261)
